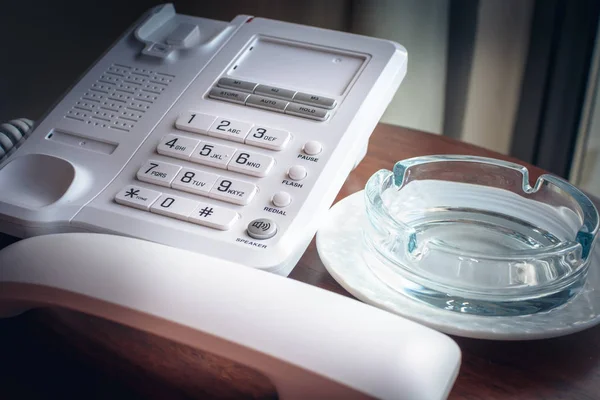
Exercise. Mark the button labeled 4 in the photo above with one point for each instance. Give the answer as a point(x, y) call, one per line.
point(177, 146)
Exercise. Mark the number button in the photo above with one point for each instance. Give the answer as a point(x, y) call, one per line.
point(229, 129)
point(174, 206)
point(233, 191)
point(137, 197)
point(157, 172)
point(251, 163)
point(268, 138)
point(213, 217)
point(215, 155)
point(192, 121)
point(194, 181)
point(177, 146)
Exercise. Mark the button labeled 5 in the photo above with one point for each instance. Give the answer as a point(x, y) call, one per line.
point(230, 129)
point(215, 155)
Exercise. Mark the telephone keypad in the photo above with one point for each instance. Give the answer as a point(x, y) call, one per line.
point(158, 172)
point(203, 183)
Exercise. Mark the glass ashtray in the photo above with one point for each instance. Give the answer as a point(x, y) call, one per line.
point(471, 235)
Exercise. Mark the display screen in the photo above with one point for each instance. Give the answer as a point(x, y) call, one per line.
point(298, 66)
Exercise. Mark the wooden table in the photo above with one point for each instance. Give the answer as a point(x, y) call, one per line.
point(59, 354)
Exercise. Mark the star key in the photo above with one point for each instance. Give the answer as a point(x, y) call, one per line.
point(137, 197)
point(132, 192)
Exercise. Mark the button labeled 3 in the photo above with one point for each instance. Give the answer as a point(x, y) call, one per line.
point(268, 138)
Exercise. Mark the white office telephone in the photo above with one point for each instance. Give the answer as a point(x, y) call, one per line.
point(229, 140)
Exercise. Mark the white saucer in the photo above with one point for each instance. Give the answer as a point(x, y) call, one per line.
point(339, 242)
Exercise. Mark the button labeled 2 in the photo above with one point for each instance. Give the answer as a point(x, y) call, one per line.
point(251, 163)
point(230, 129)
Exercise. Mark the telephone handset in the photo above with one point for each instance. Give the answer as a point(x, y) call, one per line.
point(226, 139)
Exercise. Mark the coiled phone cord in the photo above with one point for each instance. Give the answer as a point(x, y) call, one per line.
point(12, 133)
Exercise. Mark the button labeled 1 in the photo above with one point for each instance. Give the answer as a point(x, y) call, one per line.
point(251, 163)
point(230, 129)
point(215, 155)
point(196, 122)
point(268, 138)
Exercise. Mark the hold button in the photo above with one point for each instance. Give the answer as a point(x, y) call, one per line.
point(302, 110)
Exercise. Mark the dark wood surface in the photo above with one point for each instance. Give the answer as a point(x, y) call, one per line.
point(59, 354)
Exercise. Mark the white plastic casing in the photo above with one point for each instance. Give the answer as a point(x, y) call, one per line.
point(64, 178)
